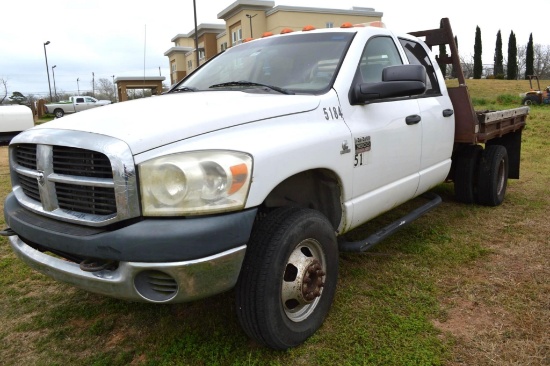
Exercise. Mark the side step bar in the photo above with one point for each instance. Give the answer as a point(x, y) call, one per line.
point(377, 237)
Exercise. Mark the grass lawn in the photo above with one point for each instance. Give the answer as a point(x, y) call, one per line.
point(463, 285)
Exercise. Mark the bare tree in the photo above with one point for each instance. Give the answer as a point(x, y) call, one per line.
point(105, 89)
point(522, 59)
point(542, 61)
point(467, 63)
point(3, 85)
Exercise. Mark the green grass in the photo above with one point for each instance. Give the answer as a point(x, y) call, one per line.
point(387, 305)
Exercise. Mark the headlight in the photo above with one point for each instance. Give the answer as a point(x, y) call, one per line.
point(195, 183)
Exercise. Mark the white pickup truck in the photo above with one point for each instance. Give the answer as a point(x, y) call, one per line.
point(249, 172)
point(13, 120)
point(74, 104)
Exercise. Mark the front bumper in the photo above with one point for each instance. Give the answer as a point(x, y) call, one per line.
point(157, 260)
point(155, 240)
point(144, 282)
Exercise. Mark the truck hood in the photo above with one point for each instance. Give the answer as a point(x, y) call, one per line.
point(148, 123)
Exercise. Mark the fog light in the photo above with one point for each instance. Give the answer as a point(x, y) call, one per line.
point(156, 286)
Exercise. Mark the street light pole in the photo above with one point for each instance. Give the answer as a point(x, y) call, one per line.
point(48, 69)
point(54, 88)
point(196, 35)
point(93, 85)
point(78, 85)
point(250, 18)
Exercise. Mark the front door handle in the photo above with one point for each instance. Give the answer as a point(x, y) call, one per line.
point(448, 112)
point(413, 119)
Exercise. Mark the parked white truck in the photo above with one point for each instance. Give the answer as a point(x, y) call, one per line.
point(13, 120)
point(249, 172)
point(74, 104)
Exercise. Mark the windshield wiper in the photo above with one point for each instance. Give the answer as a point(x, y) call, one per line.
point(250, 83)
point(184, 88)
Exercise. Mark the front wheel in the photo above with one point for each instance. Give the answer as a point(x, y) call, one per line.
point(59, 113)
point(288, 279)
point(530, 100)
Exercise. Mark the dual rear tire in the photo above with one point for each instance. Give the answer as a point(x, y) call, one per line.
point(481, 176)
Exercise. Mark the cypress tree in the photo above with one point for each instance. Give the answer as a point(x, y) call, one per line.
point(499, 58)
point(478, 66)
point(530, 58)
point(442, 65)
point(512, 57)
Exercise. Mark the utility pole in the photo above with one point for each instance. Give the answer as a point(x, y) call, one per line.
point(48, 69)
point(78, 85)
point(114, 87)
point(93, 85)
point(250, 18)
point(54, 88)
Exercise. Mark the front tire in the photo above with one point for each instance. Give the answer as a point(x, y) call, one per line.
point(493, 175)
point(531, 100)
point(288, 279)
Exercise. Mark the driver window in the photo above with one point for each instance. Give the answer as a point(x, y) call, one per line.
point(379, 53)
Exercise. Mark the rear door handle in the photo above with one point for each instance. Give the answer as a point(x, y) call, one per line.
point(448, 112)
point(413, 119)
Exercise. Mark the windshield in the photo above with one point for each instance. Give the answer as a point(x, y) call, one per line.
point(302, 63)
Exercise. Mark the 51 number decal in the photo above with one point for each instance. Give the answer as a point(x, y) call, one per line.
point(359, 161)
point(333, 113)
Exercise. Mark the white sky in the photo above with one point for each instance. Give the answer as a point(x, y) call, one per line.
point(87, 36)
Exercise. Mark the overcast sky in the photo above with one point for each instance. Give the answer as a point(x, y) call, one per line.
point(129, 38)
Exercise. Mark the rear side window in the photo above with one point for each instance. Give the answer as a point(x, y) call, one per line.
point(416, 54)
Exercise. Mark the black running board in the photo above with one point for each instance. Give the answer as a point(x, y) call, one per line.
point(377, 237)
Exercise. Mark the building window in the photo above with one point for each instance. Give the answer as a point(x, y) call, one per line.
point(329, 25)
point(237, 36)
point(201, 53)
point(223, 46)
point(173, 66)
point(189, 64)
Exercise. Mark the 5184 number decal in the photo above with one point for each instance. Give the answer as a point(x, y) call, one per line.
point(333, 113)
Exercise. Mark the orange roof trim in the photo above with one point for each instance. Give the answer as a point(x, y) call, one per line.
point(267, 34)
point(308, 28)
point(286, 30)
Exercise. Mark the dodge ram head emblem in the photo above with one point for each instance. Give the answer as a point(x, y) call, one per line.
point(40, 178)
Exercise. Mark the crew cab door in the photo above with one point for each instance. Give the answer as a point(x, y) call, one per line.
point(387, 137)
point(79, 104)
point(436, 111)
point(84, 103)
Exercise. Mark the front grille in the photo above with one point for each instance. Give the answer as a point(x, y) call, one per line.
point(80, 162)
point(91, 200)
point(70, 163)
point(25, 154)
point(93, 184)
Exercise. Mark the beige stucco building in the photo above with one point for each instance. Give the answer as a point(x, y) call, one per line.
point(246, 19)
